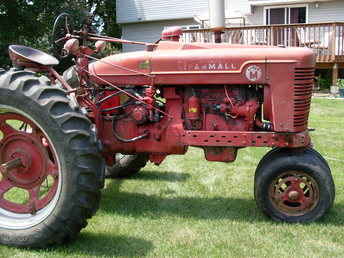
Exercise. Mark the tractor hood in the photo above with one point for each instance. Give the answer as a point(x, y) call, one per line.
point(176, 63)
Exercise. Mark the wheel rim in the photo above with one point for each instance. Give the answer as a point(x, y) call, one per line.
point(30, 178)
point(294, 193)
point(119, 157)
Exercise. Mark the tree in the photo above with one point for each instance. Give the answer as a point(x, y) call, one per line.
point(106, 11)
point(29, 22)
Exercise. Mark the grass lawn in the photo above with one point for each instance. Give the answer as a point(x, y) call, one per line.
point(188, 207)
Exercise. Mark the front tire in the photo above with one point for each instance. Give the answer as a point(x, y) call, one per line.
point(294, 185)
point(126, 165)
point(48, 198)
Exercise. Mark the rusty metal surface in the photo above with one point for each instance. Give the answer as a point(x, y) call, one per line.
point(173, 63)
point(245, 138)
point(23, 54)
point(294, 193)
point(215, 96)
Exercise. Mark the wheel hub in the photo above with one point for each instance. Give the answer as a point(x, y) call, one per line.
point(294, 193)
point(29, 173)
point(33, 161)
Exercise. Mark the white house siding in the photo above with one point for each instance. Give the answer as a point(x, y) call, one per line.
point(148, 31)
point(256, 17)
point(143, 20)
point(237, 8)
point(325, 12)
point(133, 11)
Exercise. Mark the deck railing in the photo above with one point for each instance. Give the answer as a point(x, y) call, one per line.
point(326, 39)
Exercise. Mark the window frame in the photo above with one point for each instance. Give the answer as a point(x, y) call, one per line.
point(286, 12)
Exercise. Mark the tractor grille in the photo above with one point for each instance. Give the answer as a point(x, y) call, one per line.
point(303, 86)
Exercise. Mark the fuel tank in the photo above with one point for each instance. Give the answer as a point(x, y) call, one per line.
point(174, 63)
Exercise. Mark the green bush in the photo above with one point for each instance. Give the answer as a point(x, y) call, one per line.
point(340, 83)
point(28, 22)
point(324, 82)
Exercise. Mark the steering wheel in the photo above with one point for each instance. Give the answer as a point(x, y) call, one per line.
point(63, 25)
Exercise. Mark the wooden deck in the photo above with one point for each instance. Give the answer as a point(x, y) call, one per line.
point(326, 39)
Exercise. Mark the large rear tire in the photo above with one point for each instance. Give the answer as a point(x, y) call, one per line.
point(47, 198)
point(294, 185)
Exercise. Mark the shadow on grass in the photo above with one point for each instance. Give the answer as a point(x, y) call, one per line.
point(105, 245)
point(137, 204)
point(161, 176)
point(334, 217)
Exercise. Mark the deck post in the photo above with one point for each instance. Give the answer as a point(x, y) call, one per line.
point(217, 36)
point(334, 74)
point(272, 36)
point(333, 41)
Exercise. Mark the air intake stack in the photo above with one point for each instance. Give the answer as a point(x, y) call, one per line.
point(217, 18)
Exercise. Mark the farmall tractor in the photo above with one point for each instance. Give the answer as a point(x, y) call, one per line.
point(59, 136)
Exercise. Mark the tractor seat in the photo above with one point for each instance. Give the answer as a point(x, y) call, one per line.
point(21, 55)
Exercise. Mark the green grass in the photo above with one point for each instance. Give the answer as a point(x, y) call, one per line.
point(188, 207)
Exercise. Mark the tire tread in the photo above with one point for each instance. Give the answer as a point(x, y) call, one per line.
point(84, 198)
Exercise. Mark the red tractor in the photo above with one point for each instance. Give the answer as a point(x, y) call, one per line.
point(130, 108)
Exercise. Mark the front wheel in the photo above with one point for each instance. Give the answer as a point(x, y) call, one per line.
point(294, 185)
point(50, 170)
point(126, 165)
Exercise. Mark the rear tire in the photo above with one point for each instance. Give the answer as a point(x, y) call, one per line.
point(64, 149)
point(294, 185)
point(126, 165)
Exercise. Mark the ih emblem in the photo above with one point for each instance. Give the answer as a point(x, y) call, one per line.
point(253, 73)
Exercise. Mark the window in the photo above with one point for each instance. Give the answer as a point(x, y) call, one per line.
point(285, 15)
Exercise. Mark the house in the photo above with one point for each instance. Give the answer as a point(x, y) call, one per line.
point(144, 20)
point(318, 24)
